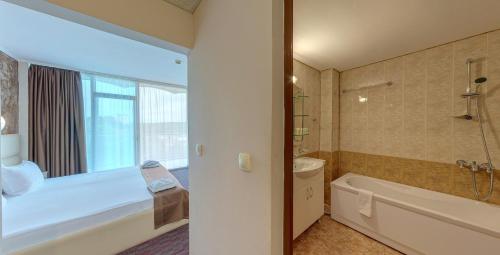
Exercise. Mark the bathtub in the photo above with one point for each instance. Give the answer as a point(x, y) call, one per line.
point(417, 221)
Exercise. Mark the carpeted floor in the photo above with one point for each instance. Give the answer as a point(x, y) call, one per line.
point(175, 242)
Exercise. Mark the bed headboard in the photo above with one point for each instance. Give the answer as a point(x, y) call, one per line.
point(10, 149)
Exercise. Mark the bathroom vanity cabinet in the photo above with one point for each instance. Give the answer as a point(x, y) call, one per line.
point(308, 199)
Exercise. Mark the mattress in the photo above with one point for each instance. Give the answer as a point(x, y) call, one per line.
point(75, 203)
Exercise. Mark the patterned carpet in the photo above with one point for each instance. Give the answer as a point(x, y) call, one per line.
point(175, 242)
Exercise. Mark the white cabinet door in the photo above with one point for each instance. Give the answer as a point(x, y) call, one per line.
point(308, 201)
point(301, 212)
point(316, 201)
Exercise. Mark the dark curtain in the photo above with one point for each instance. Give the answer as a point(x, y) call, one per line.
point(56, 121)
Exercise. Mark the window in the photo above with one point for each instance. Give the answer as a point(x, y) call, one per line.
point(163, 125)
point(110, 120)
point(127, 123)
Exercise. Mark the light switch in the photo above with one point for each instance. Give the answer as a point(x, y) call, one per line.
point(245, 162)
point(199, 149)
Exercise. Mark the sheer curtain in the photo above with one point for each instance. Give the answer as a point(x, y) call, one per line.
point(163, 125)
point(110, 122)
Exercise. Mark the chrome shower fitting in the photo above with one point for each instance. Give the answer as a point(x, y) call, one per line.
point(473, 165)
point(469, 93)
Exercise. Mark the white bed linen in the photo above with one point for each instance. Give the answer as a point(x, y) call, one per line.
point(69, 204)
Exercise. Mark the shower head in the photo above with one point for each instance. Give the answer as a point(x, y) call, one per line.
point(480, 80)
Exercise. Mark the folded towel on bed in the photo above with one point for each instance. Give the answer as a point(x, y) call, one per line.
point(170, 205)
point(161, 184)
point(365, 202)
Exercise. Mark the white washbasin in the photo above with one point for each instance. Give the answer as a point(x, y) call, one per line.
point(306, 165)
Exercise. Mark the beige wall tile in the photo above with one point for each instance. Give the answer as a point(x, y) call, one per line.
point(491, 111)
point(393, 169)
point(358, 163)
point(375, 120)
point(328, 172)
point(346, 102)
point(415, 106)
point(345, 162)
point(326, 122)
point(439, 141)
point(375, 166)
point(335, 110)
point(359, 119)
point(393, 119)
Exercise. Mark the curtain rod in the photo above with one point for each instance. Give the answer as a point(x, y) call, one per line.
point(105, 74)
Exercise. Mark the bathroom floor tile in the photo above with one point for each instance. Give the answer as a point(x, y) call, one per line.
point(330, 237)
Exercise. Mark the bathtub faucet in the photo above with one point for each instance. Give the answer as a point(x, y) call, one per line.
point(474, 166)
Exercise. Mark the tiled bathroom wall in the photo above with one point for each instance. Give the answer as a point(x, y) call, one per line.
point(10, 93)
point(329, 127)
point(407, 132)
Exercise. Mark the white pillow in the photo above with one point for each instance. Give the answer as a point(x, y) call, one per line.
point(22, 178)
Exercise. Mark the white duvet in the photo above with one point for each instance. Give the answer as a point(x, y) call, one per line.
point(73, 203)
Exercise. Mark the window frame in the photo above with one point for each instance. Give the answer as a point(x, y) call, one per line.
point(136, 100)
point(94, 99)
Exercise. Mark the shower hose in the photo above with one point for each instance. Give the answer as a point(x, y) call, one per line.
point(490, 165)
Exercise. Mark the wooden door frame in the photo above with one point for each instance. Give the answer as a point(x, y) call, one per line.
point(288, 143)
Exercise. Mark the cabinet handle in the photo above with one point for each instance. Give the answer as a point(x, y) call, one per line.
point(309, 192)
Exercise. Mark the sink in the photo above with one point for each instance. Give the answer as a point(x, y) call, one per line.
point(307, 166)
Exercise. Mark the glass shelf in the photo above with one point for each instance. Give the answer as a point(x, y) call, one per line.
point(299, 115)
point(297, 97)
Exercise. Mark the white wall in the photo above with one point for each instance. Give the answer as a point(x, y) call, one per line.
point(154, 22)
point(156, 18)
point(23, 107)
point(236, 105)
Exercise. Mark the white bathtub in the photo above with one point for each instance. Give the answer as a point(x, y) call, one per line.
point(418, 221)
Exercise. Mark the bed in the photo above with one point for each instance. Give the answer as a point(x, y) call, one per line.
point(103, 213)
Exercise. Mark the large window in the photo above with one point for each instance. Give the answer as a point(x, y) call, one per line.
point(163, 125)
point(127, 123)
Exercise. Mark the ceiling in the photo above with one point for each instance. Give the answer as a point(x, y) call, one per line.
point(187, 5)
point(40, 38)
point(344, 34)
